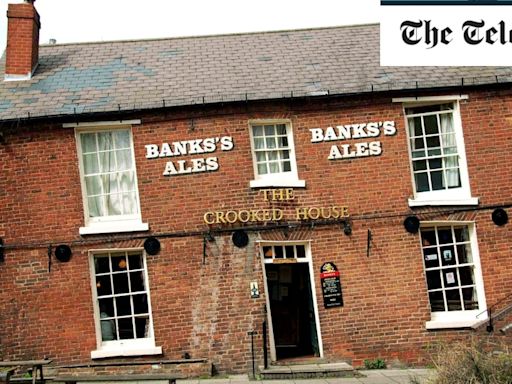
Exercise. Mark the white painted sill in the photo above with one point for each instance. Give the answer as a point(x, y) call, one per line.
point(434, 202)
point(114, 227)
point(262, 183)
point(450, 324)
point(115, 352)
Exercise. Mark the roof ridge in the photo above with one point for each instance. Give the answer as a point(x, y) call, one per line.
point(211, 36)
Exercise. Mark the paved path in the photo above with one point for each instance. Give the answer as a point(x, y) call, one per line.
point(381, 376)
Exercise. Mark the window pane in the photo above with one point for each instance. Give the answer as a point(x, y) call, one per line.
point(127, 181)
point(88, 142)
point(91, 163)
point(142, 327)
point(270, 130)
point(129, 203)
point(105, 141)
point(274, 167)
point(419, 165)
point(96, 206)
point(453, 300)
point(114, 205)
point(261, 156)
point(464, 252)
point(470, 298)
point(106, 307)
point(290, 254)
point(466, 276)
point(272, 155)
point(421, 182)
point(271, 142)
point(448, 255)
point(108, 330)
point(281, 129)
point(453, 178)
point(437, 180)
point(259, 143)
point(103, 286)
point(431, 258)
point(287, 166)
point(267, 252)
point(121, 139)
point(435, 163)
point(107, 161)
point(119, 263)
point(124, 159)
point(257, 131)
point(262, 169)
point(279, 252)
point(461, 234)
point(284, 154)
point(430, 124)
point(433, 141)
point(419, 153)
point(93, 185)
point(283, 142)
point(301, 251)
point(415, 126)
point(428, 237)
point(436, 301)
point(418, 143)
point(120, 282)
point(433, 279)
point(450, 277)
point(137, 281)
point(140, 304)
point(101, 264)
point(123, 305)
point(125, 328)
point(445, 235)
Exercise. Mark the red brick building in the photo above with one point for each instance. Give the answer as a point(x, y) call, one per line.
point(162, 199)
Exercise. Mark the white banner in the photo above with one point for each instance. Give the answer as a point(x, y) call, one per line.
point(446, 36)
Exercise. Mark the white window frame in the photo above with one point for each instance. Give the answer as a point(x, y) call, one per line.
point(282, 179)
point(125, 347)
point(458, 319)
point(107, 224)
point(454, 196)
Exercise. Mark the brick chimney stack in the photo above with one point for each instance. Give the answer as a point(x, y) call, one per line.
point(22, 51)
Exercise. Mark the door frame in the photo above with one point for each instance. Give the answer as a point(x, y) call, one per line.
point(309, 260)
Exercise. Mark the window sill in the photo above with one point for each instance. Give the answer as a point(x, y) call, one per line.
point(113, 227)
point(434, 202)
point(450, 324)
point(277, 183)
point(115, 352)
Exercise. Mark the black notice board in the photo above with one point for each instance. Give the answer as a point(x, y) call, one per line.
point(331, 285)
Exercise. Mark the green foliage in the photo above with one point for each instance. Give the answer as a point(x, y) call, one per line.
point(459, 363)
point(374, 364)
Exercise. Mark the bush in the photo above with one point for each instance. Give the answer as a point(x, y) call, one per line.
point(459, 363)
point(374, 364)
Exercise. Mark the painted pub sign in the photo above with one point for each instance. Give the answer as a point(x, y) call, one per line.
point(331, 285)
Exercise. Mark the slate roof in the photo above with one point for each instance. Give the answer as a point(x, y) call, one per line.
point(145, 74)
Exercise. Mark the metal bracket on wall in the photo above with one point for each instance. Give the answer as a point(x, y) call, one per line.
point(368, 243)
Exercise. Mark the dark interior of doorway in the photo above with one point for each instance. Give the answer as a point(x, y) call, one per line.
point(292, 310)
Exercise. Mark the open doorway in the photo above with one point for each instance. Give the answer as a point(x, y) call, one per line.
point(290, 301)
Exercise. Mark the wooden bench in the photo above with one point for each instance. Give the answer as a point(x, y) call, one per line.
point(171, 379)
point(5, 374)
point(36, 365)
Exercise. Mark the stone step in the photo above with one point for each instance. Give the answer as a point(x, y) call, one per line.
point(307, 371)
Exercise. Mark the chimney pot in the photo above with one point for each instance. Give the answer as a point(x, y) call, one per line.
point(22, 54)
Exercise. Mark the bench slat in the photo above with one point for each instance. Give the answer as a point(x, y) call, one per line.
point(136, 377)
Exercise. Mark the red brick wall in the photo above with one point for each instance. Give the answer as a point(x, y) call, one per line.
point(204, 308)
